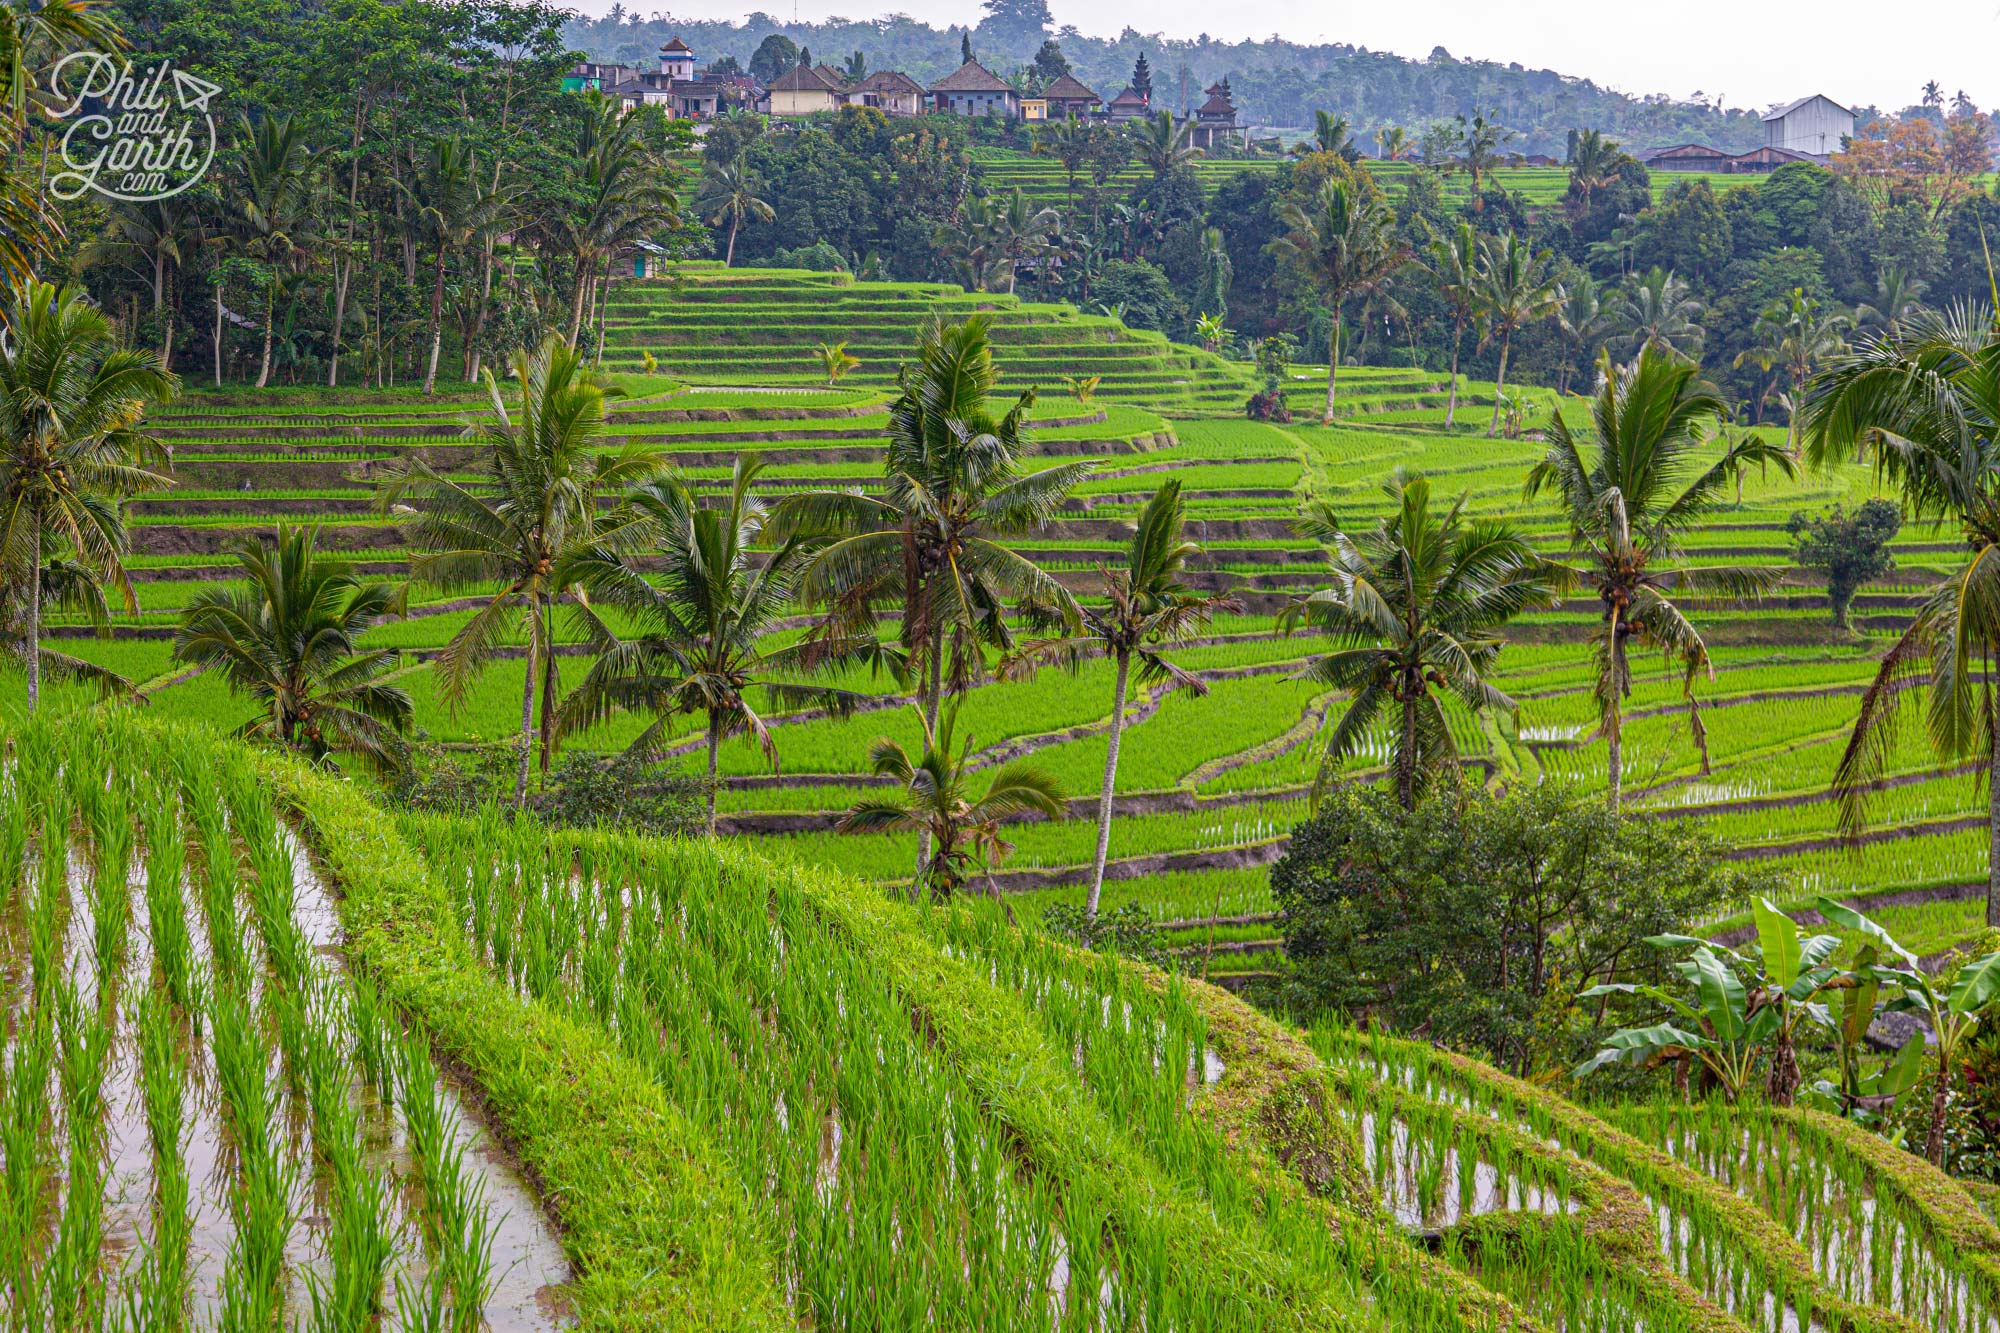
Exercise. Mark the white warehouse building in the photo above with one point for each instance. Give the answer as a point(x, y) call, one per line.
point(1814, 125)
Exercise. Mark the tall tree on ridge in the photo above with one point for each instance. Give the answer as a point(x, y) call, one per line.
point(1344, 245)
point(1146, 610)
point(72, 404)
point(1630, 504)
point(529, 527)
point(1516, 288)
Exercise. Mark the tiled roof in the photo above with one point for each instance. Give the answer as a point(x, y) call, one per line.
point(800, 79)
point(972, 77)
point(1067, 89)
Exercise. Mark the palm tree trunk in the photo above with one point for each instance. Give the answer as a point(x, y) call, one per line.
point(1110, 781)
point(729, 255)
point(1406, 756)
point(933, 697)
point(35, 626)
point(437, 324)
point(548, 728)
point(603, 312)
point(714, 745)
point(527, 726)
point(1993, 828)
point(1451, 398)
point(270, 314)
point(218, 335)
point(1332, 366)
point(576, 297)
point(1615, 752)
point(1499, 385)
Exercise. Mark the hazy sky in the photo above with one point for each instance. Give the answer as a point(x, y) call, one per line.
point(1751, 54)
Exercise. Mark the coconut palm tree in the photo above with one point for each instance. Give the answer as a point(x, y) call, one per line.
point(1330, 135)
point(527, 525)
point(457, 207)
point(729, 192)
point(156, 236)
point(706, 606)
point(622, 195)
point(1162, 143)
point(1021, 233)
point(1644, 485)
point(1799, 332)
point(934, 798)
point(1071, 142)
point(1593, 164)
point(1928, 400)
point(1415, 612)
point(1657, 312)
point(1516, 288)
point(1897, 297)
point(72, 446)
point(1391, 142)
point(1344, 245)
point(290, 638)
point(1146, 609)
point(933, 543)
point(276, 192)
point(1455, 264)
point(1584, 318)
point(1479, 146)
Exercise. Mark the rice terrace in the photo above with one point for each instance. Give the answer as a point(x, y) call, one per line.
point(656, 676)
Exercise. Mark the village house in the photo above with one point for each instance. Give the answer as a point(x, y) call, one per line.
point(803, 91)
point(1813, 125)
point(974, 90)
point(1128, 105)
point(1067, 97)
point(683, 92)
point(889, 91)
point(1700, 157)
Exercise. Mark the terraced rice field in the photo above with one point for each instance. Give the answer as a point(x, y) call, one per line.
point(758, 1095)
point(1208, 787)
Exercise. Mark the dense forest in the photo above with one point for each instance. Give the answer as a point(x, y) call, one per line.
point(1277, 82)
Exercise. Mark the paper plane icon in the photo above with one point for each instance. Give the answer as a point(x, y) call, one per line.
point(193, 92)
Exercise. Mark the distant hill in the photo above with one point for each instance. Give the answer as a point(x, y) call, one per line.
point(1276, 83)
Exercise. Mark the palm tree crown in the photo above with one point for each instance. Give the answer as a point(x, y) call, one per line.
point(935, 798)
point(1927, 398)
point(1415, 609)
point(1650, 479)
point(290, 639)
point(705, 618)
point(72, 406)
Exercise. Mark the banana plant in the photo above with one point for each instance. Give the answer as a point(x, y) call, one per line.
point(1742, 1003)
point(1861, 1093)
point(1950, 1011)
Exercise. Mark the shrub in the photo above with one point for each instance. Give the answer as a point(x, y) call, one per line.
point(586, 791)
point(1479, 918)
point(1269, 405)
point(1128, 931)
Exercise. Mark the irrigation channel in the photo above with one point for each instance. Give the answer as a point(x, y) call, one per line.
point(206, 1121)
